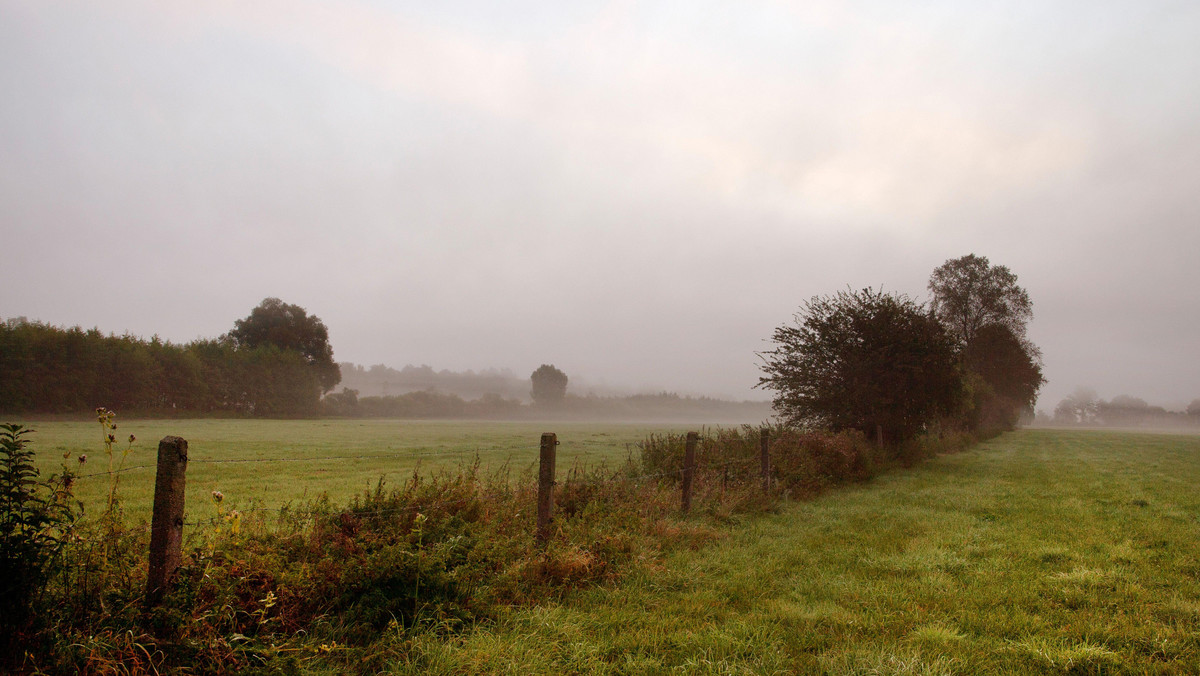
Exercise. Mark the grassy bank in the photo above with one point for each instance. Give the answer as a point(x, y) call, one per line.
point(1039, 552)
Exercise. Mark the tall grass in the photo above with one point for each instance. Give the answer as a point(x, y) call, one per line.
point(1039, 552)
point(358, 586)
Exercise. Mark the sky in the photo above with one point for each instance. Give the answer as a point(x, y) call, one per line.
point(636, 192)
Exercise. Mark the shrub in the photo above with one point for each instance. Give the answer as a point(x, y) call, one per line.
point(35, 517)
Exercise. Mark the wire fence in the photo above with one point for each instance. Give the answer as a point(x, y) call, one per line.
point(459, 489)
point(576, 477)
point(418, 456)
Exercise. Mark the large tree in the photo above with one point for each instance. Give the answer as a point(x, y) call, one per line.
point(984, 309)
point(1081, 407)
point(861, 359)
point(549, 385)
point(289, 327)
point(970, 293)
point(1007, 376)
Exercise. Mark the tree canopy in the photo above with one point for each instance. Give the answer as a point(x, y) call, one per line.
point(1007, 377)
point(549, 385)
point(985, 311)
point(47, 369)
point(858, 359)
point(970, 293)
point(289, 327)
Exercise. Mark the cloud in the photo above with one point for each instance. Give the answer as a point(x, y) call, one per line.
point(671, 178)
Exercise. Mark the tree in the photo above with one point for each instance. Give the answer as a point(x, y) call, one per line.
point(970, 293)
point(289, 327)
point(549, 385)
point(1007, 378)
point(985, 311)
point(859, 359)
point(1081, 407)
point(1194, 408)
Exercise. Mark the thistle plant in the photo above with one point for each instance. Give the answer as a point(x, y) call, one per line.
point(233, 517)
point(111, 519)
point(419, 529)
point(108, 428)
point(218, 500)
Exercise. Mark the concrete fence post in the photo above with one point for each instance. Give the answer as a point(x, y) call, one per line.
point(166, 525)
point(689, 469)
point(545, 504)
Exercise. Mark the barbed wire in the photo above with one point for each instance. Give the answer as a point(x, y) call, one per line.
point(324, 458)
point(115, 471)
point(313, 515)
point(234, 461)
point(575, 477)
point(350, 510)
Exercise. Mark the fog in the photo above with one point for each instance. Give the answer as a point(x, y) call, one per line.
point(637, 193)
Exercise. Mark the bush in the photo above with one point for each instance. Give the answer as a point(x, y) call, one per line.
point(35, 517)
point(862, 360)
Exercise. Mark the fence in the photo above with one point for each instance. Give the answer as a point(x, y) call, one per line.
point(167, 521)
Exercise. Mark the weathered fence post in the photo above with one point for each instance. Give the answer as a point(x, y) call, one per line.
point(879, 435)
point(764, 446)
point(545, 505)
point(166, 526)
point(689, 468)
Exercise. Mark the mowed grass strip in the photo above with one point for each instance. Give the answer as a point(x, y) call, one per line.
point(297, 460)
point(1040, 552)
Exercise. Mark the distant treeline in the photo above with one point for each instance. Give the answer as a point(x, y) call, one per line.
point(383, 381)
point(50, 370)
point(664, 406)
point(1084, 408)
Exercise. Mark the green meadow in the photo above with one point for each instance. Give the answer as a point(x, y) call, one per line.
point(1038, 552)
point(271, 463)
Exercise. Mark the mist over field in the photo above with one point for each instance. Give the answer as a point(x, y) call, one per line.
point(636, 193)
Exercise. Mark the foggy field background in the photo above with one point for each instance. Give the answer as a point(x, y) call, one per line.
point(451, 213)
point(635, 192)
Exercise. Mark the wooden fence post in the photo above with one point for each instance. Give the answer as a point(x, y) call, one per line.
point(166, 526)
point(879, 435)
point(764, 445)
point(545, 505)
point(689, 468)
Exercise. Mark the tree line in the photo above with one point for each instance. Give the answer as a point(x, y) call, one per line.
point(1083, 407)
point(276, 362)
point(878, 363)
point(887, 366)
point(380, 380)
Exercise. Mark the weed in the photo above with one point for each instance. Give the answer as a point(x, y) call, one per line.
point(36, 518)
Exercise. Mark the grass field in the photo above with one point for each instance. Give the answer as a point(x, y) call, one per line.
point(1041, 552)
point(296, 460)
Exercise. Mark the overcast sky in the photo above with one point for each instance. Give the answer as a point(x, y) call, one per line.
point(635, 192)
